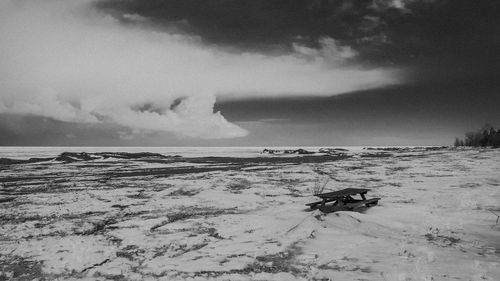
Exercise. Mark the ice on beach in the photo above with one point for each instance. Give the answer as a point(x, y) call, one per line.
point(177, 220)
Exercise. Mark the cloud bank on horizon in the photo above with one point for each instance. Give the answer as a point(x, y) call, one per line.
point(69, 61)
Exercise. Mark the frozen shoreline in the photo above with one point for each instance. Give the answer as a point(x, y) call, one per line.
point(81, 221)
point(26, 152)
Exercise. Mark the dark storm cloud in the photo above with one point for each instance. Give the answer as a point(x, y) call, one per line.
point(382, 31)
point(24, 130)
point(400, 104)
point(401, 115)
point(263, 24)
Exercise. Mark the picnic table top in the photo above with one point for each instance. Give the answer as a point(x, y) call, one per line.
point(343, 193)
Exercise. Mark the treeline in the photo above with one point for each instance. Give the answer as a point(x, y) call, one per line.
point(487, 136)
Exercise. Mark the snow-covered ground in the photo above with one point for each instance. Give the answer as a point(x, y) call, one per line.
point(226, 220)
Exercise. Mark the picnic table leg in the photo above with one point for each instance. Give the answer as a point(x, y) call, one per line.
point(363, 196)
point(324, 202)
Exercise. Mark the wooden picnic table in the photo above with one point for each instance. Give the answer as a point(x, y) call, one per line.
point(343, 200)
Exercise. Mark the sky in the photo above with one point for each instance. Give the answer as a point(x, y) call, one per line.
point(247, 73)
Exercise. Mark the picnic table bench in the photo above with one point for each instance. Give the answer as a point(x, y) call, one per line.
point(343, 200)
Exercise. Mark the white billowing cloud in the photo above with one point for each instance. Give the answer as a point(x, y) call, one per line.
point(401, 5)
point(329, 51)
point(64, 60)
